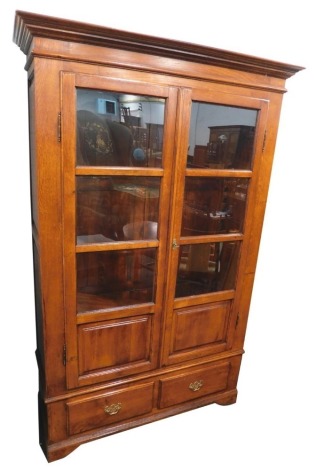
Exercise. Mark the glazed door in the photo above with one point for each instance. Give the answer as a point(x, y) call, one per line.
point(117, 140)
point(159, 187)
point(214, 197)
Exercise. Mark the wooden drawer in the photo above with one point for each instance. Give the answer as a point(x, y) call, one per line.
point(102, 410)
point(189, 386)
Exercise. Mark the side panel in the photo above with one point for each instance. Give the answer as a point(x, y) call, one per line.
point(46, 221)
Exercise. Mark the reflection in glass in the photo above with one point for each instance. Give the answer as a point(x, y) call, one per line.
point(116, 208)
point(205, 268)
point(115, 278)
point(221, 136)
point(213, 205)
point(115, 129)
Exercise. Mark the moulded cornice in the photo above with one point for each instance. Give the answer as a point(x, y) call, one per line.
point(30, 25)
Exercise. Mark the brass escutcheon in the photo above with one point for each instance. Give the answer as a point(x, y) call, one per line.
point(195, 386)
point(113, 409)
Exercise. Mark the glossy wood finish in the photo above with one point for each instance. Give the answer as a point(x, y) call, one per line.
point(29, 25)
point(144, 262)
point(186, 387)
point(105, 409)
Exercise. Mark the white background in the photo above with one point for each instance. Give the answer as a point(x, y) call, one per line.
point(272, 425)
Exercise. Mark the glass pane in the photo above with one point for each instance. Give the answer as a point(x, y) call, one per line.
point(205, 268)
point(115, 278)
point(221, 136)
point(116, 129)
point(213, 205)
point(116, 208)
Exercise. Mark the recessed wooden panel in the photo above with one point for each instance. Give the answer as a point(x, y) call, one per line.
point(200, 325)
point(193, 385)
point(114, 343)
point(109, 408)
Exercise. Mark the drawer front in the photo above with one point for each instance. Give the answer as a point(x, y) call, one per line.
point(102, 410)
point(196, 384)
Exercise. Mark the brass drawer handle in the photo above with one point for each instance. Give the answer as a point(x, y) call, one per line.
point(113, 409)
point(195, 386)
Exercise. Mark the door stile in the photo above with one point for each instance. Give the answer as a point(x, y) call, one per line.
point(176, 201)
point(241, 304)
point(164, 215)
point(68, 125)
point(247, 244)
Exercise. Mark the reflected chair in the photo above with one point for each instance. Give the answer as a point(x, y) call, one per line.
point(143, 263)
point(146, 230)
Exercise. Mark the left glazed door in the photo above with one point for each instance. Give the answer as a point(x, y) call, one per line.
point(117, 157)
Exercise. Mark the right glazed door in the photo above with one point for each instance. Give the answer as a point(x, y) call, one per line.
point(214, 196)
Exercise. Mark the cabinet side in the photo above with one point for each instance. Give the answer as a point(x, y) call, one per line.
point(34, 223)
point(45, 173)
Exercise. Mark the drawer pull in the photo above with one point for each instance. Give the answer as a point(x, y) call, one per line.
point(195, 386)
point(113, 409)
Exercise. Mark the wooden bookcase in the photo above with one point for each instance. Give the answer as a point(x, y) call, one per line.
point(145, 239)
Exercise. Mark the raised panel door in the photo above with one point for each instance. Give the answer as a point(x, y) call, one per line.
point(215, 192)
point(117, 170)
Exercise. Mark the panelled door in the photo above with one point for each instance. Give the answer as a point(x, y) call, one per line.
point(214, 195)
point(117, 143)
point(154, 221)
